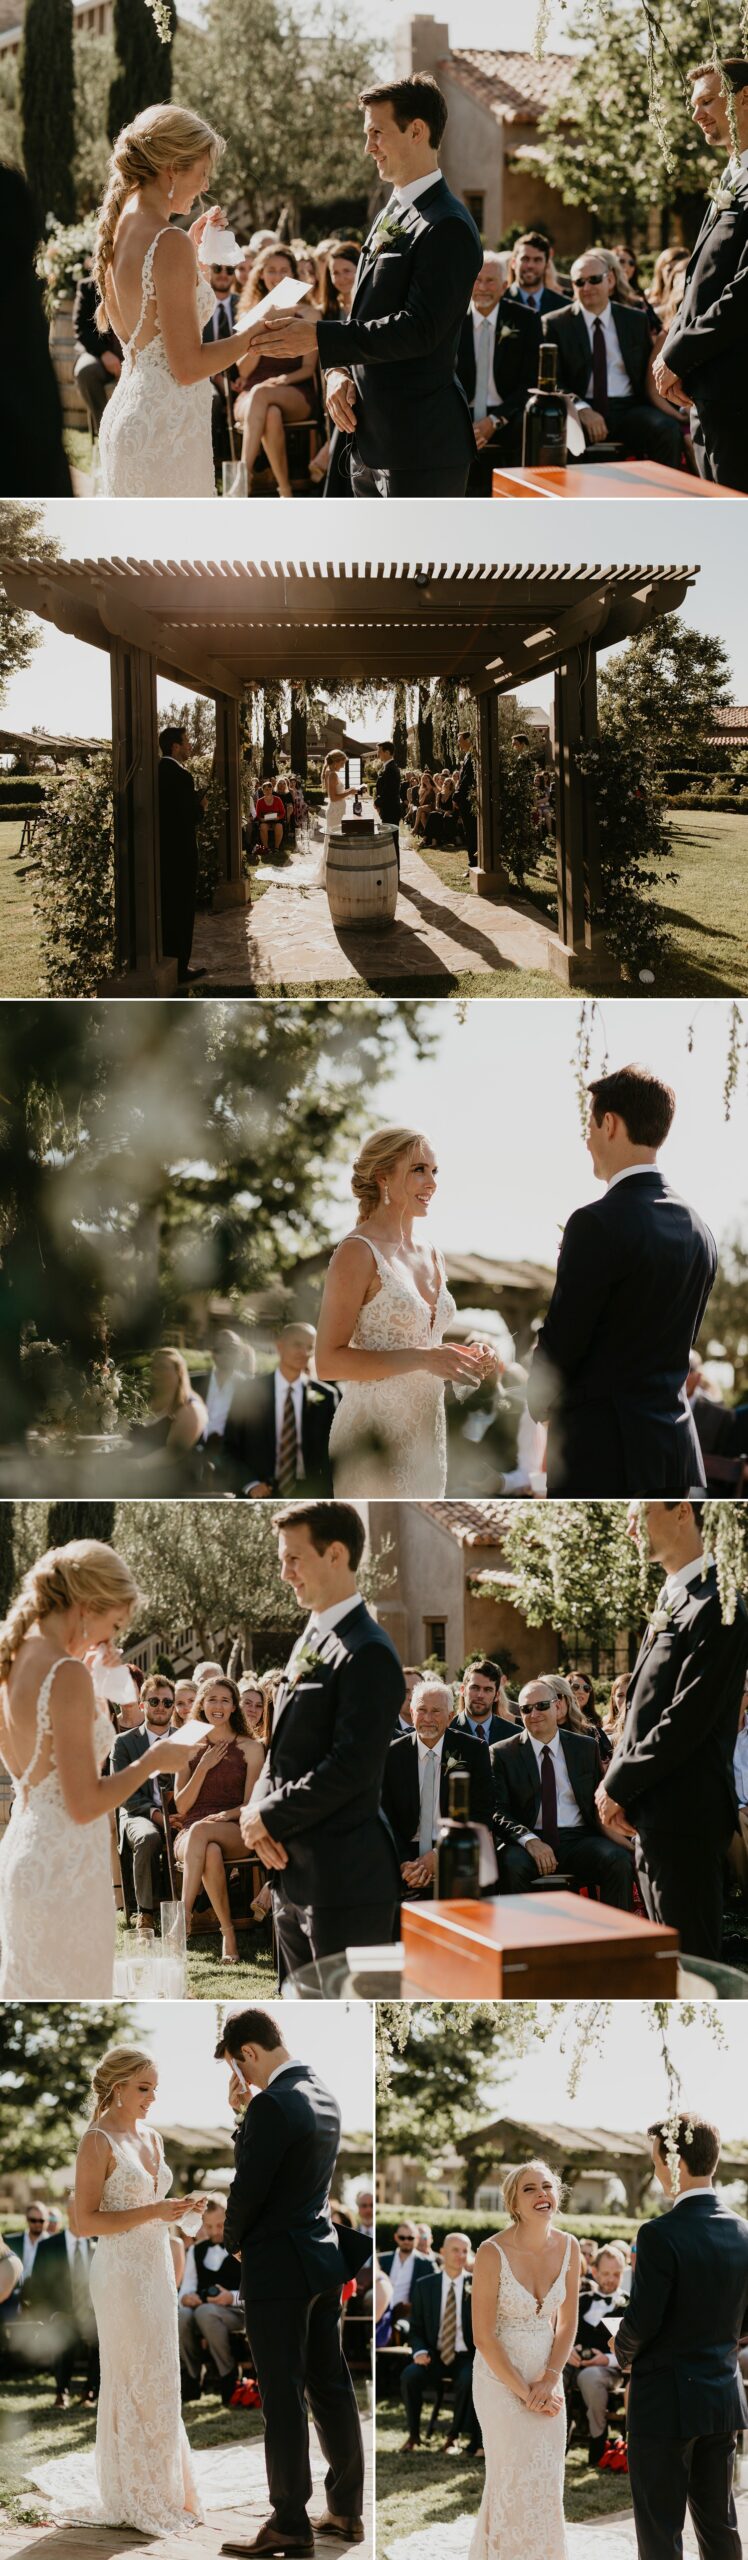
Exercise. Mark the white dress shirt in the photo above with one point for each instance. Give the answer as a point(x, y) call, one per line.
point(678, 1582)
point(626, 1172)
point(423, 1756)
point(322, 1621)
point(282, 1387)
point(401, 2277)
point(218, 1401)
point(28, 2253)
point(75, 2247)
point(291, 2065)
point(459, 2286)
point(687, 2194)
point(619, 385)
point(740, 1767)
point(569, 1816)
point(484, 344)
point(401, 197)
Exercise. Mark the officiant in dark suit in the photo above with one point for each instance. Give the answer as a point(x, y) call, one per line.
point(497, 364)
point(279, 1423)
point(679, 2340)
point(465, 792)
point(390, 364)
point(604, 351)
point(178, 815)
point(704, 354)
point(635, 1274)
point(671, 1774)
point(294, 2264)
point(415, 1794)
point(315, 1816)
point(388, 791)
point(545, 1816)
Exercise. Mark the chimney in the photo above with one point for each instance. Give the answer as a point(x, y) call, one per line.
point(419, 44)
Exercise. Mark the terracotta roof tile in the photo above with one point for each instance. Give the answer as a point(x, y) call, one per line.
point(475, 1524)
point(515, 87)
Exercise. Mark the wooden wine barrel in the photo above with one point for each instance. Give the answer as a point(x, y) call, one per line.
point(362, 878)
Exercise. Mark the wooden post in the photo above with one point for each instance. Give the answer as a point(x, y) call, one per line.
point(140, 968)
point(577, 847)
point(491, 879)
point(232, 890)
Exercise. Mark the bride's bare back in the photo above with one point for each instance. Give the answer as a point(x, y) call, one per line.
point(19, 1701)
point(136, 231)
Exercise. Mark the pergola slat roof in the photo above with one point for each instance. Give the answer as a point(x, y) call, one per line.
point(225, 625)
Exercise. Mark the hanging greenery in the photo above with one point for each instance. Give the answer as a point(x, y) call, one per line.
point(577, 1568)
point(618, 138)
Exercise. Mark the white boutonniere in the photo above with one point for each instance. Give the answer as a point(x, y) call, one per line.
point(506, 332)
point(307, 1663)
point(659, 1622)
point(724, 194)
point(391, 234)
point(315, 1395)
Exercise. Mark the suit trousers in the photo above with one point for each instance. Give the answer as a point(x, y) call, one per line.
point(682, 1885)
point(719, 445)
point(213, 2325)
point(305, 1937)
point(649, 434)
point(416, 2379)
point(586, 1856)
point(668, 2479)
point(298, 2359)
point(447, 483)
point(146, 1843)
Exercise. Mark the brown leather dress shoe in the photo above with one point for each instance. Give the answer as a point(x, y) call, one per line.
point(272, 2537)
point(345, 2528)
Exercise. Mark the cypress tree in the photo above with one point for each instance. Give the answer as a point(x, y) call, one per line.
point(143, 75)
point(66, 1520)
point(7, 1575)
point(47, 85)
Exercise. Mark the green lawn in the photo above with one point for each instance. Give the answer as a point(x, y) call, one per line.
point(20, 947)
point(707, 910)
point(467, 982)
point(421, 2489)
point(77, 444)
point(208, 1977)
point(31, 2429)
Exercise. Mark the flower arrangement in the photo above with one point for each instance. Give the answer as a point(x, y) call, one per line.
point(98, 1408)
point(65, 258)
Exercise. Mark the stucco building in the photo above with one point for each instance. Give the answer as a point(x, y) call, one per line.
point(437, 1601)
point(495, 101)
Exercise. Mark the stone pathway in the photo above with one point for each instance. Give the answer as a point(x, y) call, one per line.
point(288, 938)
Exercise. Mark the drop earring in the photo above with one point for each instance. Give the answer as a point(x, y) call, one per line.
point(386, 1195)
point(170, 193)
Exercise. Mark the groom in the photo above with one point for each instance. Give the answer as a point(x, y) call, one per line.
point(634, 1278)
point(679, 2340)
point(391, 365)
point(315, 1818)
point(293, 2266)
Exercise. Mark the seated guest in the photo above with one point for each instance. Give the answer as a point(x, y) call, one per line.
point(277, 1433)
point(255, 1707)
point(481, 1712)
point(141, 1820)
point(57, 2299)
point(22, 2248)
point(11, 2276)
point(604, 357)
point(405, 2266)
point(275, 391)
point(592, 2360)
point(615, 1712)
point(185, 1693)
point(531, 264)
point(211, 2315)
point(209, 1798)
point(630, 286)
point(441, 2341)
point(415, 1793)
point(545, 1817)
point(497, 364)
point(583, 1691)
point(426, 802)
point(232, 1360)
point(179, 1418)
point(222, 324)
point(98, 354)
point(270, 815)
point(340, 268)
point(412, 1675)
point(738, 1849)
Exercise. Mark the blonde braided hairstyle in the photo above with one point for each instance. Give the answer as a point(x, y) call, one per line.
point(118, 2065)
point(158, 139)
point(87, 1573)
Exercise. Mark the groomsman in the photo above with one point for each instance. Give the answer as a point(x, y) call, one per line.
point(704, 355)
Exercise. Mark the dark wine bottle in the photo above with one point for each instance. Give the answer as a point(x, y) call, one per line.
point(544, 429)
point(457, 1877)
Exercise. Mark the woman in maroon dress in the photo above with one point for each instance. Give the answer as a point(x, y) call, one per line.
point(221, 1774)
point(274, 391)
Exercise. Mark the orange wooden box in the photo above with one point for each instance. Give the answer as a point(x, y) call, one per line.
point(603, 480)
point(548, 1946)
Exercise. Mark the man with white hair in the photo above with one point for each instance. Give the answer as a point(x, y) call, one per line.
point(415, 1795)
point(497, 364)
point(604, 365)
point(545, 1817)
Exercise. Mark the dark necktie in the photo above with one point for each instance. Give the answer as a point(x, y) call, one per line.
point(548, 1799)
point(599, 370)
point(224, 324)
point(287, 1451)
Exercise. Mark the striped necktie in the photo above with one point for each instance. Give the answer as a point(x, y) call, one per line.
point(448, 2330)
point(287, 1454)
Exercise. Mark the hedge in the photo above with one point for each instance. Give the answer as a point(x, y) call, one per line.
point(481, 2226)
point(25, 786)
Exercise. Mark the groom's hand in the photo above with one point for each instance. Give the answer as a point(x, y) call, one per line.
point(340, 394)
point(611, 1813)
point(290, 333)
point(256, 1838)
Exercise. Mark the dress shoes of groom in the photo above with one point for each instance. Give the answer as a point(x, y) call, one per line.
point(274, 2537)
point(344, 2528)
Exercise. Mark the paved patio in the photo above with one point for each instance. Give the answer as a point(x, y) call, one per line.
point(611, 2538)
point(288, 937)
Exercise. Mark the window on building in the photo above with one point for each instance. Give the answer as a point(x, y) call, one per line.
point(435, 1638)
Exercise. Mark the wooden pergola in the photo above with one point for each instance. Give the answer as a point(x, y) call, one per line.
point(223, 627)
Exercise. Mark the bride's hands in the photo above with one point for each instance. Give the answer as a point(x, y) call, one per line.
point(197, 229)
point(162, 1759)
point(173, 2207)
point(460, 1361)
point(545, 2396)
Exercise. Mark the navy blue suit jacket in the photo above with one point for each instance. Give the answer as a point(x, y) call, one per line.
point(400, 341)
point(679, 2337)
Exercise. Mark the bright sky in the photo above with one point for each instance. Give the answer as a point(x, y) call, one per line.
point(506, 23)
point(499, 1107)
point(335, 2037)
point(67, 685)
point(624, 2086)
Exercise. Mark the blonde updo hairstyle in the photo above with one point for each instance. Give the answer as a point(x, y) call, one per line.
point(378, 1155)
point(513, 2180)
point(115, 2067)
point(160, 138)
point(87, 1574)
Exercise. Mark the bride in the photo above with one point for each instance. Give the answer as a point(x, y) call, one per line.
point(333, 783)
point(57, 1917)
point(384, 1313)
point(525, 2298)
point(155, 438)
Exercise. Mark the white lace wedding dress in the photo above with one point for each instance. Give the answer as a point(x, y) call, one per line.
point(333, 810)
point(57, 1919)
point(522, 2510)
point(155, 436)
point(390, 1436)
